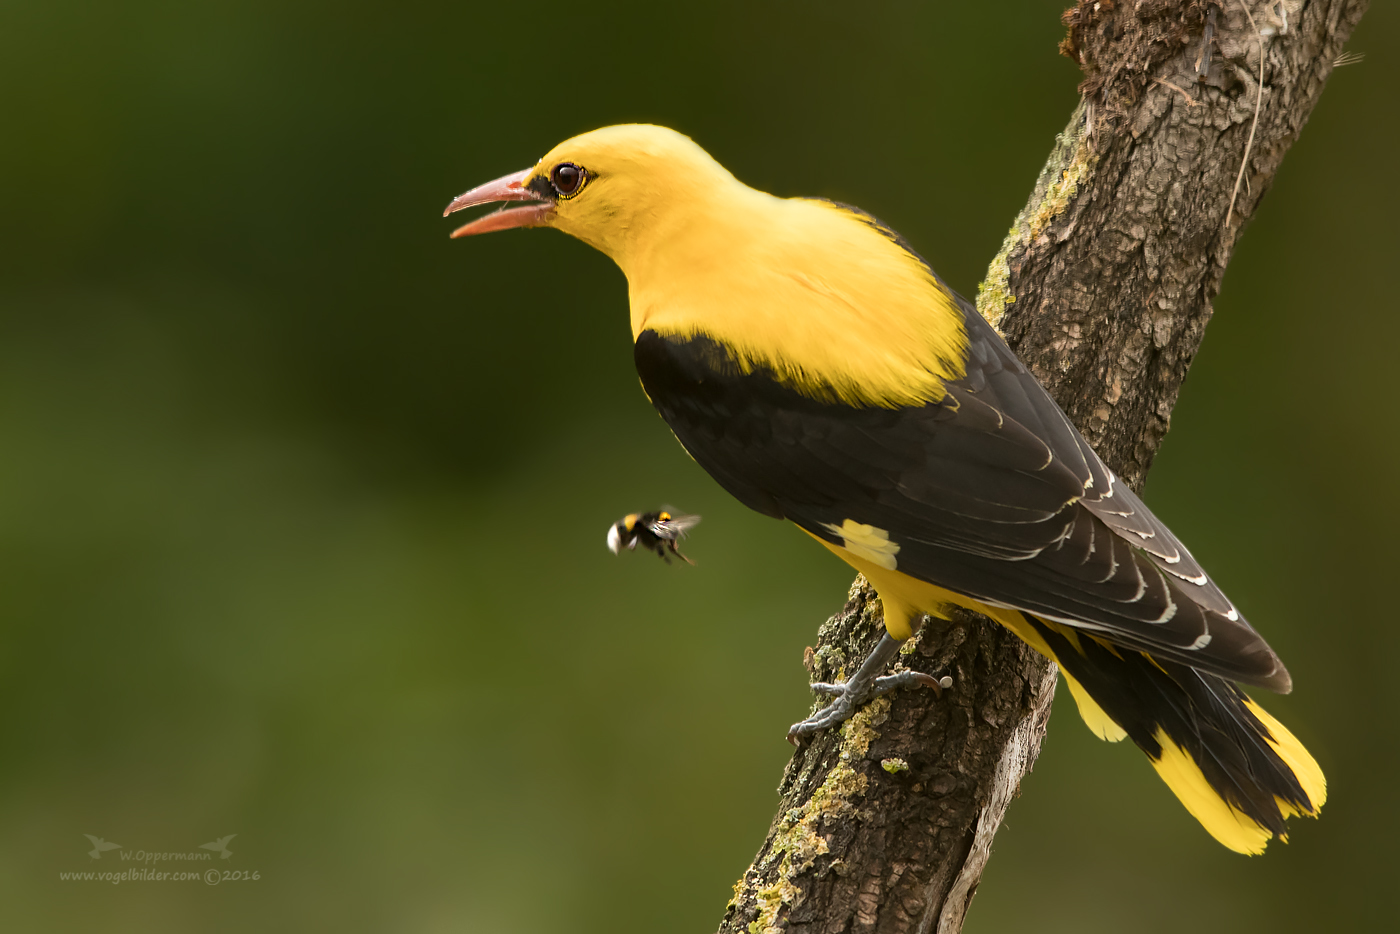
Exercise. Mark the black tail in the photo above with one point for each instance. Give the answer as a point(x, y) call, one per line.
point(1234, 767)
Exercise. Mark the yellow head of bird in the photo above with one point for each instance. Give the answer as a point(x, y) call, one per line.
point(616, 189)
point(816, 293)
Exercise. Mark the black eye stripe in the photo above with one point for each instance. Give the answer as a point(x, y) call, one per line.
point(542, 187)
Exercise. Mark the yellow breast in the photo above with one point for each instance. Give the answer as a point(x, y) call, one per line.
point(806, 289)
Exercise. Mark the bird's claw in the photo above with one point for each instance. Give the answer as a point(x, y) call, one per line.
point(852, 694)
point(910, 679)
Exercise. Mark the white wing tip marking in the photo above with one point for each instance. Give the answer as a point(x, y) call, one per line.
point(1201, 642)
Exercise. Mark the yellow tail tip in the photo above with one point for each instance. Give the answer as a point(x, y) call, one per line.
point(1226, 823)
point(1298, 759)
point(1183, 776)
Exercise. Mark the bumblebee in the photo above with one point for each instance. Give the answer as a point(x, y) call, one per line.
point(654, 531)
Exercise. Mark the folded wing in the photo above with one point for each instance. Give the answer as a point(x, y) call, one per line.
point(989, 492)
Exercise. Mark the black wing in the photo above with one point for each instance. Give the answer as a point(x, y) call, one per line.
point(990, 492)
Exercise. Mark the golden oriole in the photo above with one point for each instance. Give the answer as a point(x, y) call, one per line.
point(821, 372)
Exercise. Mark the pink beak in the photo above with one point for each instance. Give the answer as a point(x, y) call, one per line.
point(506, 188)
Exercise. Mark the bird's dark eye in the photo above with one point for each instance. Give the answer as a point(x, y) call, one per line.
point(567, 179)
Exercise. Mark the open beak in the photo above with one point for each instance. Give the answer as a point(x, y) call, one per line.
point(506, 188)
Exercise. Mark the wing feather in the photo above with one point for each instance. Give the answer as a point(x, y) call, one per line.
point(989, 492)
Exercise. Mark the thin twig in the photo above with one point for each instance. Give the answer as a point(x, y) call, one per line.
point(1189, 99)
point(1258, 102)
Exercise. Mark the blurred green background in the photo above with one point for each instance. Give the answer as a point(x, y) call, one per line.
point(302, 505)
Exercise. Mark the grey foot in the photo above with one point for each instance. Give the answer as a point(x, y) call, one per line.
point(860, 688)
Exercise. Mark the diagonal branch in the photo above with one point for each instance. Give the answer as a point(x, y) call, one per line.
point(1104, 289)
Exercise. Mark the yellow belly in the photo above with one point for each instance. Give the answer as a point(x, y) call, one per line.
point(904, 598)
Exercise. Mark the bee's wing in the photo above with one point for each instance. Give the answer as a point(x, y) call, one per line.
point(673, 528)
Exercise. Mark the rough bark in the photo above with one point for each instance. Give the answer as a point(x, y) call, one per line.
point(1104, 288)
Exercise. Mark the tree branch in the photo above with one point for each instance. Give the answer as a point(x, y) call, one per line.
point(1104, 288)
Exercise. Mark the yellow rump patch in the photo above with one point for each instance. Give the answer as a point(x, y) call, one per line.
point(1183, 776)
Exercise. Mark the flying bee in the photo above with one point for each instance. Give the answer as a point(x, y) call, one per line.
point(654, 531)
